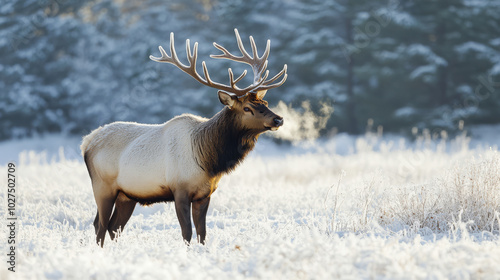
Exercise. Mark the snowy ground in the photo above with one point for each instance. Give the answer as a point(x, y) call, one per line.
point(344, 208)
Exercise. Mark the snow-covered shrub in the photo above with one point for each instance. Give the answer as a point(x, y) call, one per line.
point(469, 190)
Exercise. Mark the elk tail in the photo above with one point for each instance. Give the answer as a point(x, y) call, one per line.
point(87, 139)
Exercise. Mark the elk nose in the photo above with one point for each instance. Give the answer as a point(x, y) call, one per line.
point(278, 121)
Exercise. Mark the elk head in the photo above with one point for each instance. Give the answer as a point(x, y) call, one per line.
point(247, 103)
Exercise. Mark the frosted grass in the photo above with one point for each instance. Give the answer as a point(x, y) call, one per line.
point(390, 211)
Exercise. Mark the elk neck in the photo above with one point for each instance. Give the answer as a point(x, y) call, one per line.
point(222, 142)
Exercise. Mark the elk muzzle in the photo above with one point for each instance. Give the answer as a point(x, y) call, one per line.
point(276, 123)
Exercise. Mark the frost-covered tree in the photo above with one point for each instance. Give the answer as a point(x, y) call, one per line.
point(73, 65)
point(438, 51)
point(35, 56)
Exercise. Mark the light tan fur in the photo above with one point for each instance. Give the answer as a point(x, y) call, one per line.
point(141, 160)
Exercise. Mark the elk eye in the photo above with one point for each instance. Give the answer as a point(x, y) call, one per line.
point(246, 109)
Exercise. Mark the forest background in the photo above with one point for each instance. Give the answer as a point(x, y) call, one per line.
point(69, 66)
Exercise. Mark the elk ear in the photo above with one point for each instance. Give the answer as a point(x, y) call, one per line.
point(227, 98)
point(261, 94)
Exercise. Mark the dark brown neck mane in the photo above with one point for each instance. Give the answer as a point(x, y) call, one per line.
point(221, 143)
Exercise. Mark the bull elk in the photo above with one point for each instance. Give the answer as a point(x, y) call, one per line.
point(183, 159)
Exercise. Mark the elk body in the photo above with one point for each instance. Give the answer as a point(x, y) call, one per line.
point(183, 159)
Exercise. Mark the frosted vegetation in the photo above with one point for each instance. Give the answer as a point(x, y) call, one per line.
point(385, 209)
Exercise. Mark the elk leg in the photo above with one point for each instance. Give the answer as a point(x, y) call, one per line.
point(96, 222)
point(104, 208)
point(200, 208)
point(124, 207)
point(183, 209)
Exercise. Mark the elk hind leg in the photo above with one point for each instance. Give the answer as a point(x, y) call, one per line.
point(105, 202)
point(96, 222)
point(124, 207)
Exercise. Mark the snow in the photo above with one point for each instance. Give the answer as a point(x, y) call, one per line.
point(427, 53)
point(404, 19)
point(495, 70)
point(345, 207)
point(405, 112)
point(50, 145)
point(388, 56)
point(495, 42)
point(423, 70)
point(482, 50)
point(472, 46)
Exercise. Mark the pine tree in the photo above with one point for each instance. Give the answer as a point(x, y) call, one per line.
point(35, 56)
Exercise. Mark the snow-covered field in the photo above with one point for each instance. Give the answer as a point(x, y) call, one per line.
point(345, 208)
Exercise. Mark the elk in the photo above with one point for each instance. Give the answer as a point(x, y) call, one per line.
point(183, 159)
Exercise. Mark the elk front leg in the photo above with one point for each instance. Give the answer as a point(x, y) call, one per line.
point(183, 209)
point(200, 208)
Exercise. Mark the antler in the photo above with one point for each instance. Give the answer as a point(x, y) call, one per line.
point(258, 64)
